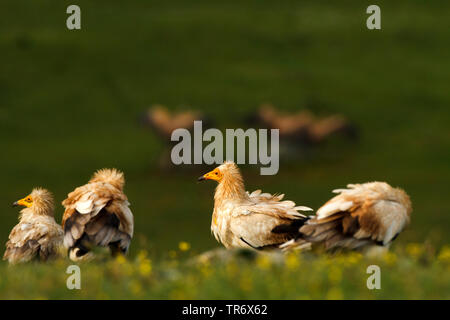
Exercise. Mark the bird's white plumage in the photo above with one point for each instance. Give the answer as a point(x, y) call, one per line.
point(361, 215)
point(248, 219)
point(333, 207)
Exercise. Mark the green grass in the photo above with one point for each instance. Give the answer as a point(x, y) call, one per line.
point(413, 272)
point(69, 101)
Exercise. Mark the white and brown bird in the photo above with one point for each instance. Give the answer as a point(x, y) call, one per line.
point(98, 214)
point(250, 220)
point(37, 236)
point(359, 217)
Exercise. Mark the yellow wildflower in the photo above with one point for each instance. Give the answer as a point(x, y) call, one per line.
point(120, 259)
point(263, 261)
point(292, 261)
point(415, 250)
point(184, 246)
point(444, 254)
point(142, 255)
point(353, 258)
point(145, 267)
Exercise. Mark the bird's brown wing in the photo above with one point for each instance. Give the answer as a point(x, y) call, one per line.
point(37, 238)
point(98, 214)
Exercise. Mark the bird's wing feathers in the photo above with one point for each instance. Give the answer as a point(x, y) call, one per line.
point(28, 239)
point(333, 207)
point(370, 211)
point(271, 205)
point(99, 210)
point(381, 220)
point(91, 198)
point(122, 210)
point(258, 196)
point(255, 230)
point(91, 203)
point(265, 220)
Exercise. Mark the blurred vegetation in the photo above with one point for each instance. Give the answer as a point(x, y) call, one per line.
point(413, 272)
point(70, 100)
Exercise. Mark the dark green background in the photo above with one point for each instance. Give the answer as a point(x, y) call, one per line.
point(69, 100)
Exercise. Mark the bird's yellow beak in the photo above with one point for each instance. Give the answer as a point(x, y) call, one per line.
point(212, 175)
point(26, 202)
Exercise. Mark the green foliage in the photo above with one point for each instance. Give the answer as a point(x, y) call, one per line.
point(413, 272)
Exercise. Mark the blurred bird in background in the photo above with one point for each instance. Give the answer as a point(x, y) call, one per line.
point(363, 216)
point(251, 220)
point(163, 122)
point(98, 214)
point(294, 126)
point(37, 236)
point(302, 129)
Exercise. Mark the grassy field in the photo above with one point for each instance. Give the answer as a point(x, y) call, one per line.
point(70, 100)
point(411, 272)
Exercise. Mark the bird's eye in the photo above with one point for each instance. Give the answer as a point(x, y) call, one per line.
point(28, 199)
point(216, 173)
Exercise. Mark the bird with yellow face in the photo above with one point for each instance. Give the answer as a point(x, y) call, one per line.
point(37, 236)
point(251, 220)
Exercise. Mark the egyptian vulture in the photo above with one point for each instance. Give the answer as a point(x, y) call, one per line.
point(98, 214)
point(250, 220)
point(360, 217)
point(37, 236)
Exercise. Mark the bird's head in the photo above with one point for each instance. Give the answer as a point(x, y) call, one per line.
point(39, 201)
point(111, 176)
point(231, 183)
point(227, 169)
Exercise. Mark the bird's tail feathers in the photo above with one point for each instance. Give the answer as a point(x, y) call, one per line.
point(295, 244)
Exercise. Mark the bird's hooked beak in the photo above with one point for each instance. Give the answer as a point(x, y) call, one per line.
point(26, 202)
point(212, 175)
